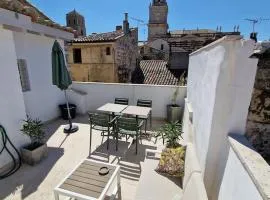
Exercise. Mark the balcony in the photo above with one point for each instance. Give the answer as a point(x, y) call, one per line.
point(220, 84)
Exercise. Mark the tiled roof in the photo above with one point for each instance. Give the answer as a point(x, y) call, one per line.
point(157, 73)
point(192, 40)
point(100, 37)
point(194, 31)
point(25, 8)
point(178, 49)
point(187, 45)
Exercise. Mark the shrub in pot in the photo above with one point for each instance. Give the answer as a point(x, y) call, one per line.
point(172, 158)
point(174, 111)
point(37, 149)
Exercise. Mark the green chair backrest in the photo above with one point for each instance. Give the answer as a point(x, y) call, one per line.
point(127, 123)
point(99, 119)
point(144, 103)
point(122, 101)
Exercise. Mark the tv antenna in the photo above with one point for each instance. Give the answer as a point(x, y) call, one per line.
point(140, 22)
point(256, 21)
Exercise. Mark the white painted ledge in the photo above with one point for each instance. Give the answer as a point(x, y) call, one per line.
point(257, 168)
point(23, 23)
point(190, 110)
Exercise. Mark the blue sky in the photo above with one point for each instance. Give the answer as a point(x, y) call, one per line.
point(103, 16)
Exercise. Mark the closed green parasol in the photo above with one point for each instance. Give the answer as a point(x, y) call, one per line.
point(61, 78)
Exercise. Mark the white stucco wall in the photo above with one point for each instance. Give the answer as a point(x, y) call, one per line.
point(97, 94)
point(237, 183)
point(12, 107)
point(220, 83)
point(43, 99)
point(41, 102)
point(203, 76)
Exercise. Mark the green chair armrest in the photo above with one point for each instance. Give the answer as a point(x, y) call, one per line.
point(140, 124)
point(113, 120)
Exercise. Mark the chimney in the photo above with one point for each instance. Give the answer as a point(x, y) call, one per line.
point(253, 36)
point(126, 24)
point(118, 28)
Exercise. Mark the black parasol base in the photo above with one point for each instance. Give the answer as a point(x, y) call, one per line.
point(71, 129)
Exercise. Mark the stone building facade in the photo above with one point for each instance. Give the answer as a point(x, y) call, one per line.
point(258, 124)
point(178, 43)
point(77, 22)
point(104, 57)
point(158, 16)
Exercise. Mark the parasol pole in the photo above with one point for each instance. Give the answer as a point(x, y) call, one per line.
point(69, 117)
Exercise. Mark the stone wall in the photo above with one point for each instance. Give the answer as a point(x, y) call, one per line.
point(96, 66)
point(258, 124)
point(77, 22)
point(158, 14)
point(157, 26)
point(126, 54)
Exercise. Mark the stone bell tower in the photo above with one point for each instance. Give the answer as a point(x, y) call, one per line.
point(158, 15)
point(77, 22)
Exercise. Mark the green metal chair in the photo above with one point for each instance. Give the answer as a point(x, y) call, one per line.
point(129, 127)
point(122, 101)
point(146, 103)
point(103, 123)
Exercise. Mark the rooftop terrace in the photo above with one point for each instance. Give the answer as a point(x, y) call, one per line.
point(65, 152)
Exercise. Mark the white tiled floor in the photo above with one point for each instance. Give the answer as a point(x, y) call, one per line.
point(65, 152)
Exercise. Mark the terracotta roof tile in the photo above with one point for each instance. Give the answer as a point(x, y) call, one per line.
point(100, 37)
point(157, 73)
point(26, 8)
point(193, 31)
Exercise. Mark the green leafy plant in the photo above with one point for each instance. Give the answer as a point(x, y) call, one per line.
point(33, 129)
point(171, 133)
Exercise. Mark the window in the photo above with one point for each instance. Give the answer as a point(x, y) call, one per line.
point(77, 57)
point(24, 77)
point(74, 21)
point(82, 32)
point(162, 47)
point(108, 51)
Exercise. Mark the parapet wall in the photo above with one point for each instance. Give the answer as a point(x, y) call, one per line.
point(219, 89)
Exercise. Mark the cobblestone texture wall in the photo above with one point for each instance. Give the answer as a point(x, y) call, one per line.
point(258, 124)
point(126, 55)
point(158, 26)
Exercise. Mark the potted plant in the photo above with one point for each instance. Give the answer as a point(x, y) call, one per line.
point(37, 149)
point(174, 111)
point(172, 158)
point(171, 133)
